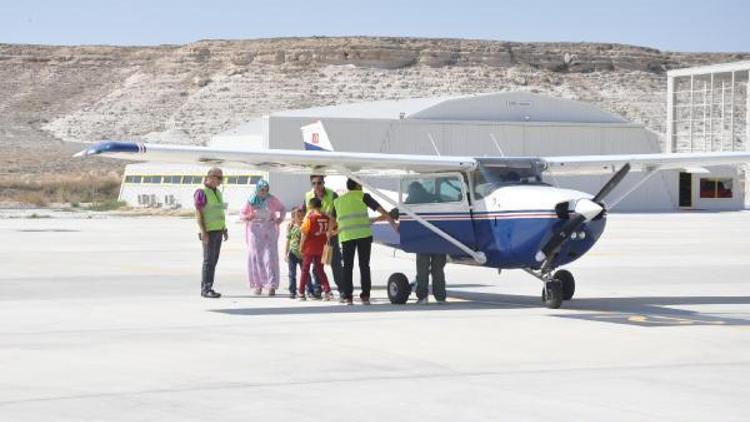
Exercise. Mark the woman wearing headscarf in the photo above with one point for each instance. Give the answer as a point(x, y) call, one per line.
point(262, 214)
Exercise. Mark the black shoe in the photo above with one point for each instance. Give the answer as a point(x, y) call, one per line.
point(211, 294)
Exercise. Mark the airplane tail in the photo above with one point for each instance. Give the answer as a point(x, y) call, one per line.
point(316, 138)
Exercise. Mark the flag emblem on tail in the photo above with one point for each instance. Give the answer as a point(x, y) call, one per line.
point(315, 137)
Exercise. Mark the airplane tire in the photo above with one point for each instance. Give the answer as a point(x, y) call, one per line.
point(552, 295)
point(568, 283)
point(399, 288)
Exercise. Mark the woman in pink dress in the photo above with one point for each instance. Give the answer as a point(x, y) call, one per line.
point(262, 214)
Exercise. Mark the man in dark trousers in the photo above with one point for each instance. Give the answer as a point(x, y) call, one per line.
point(209, 212)
point(354, 229)
point(427, 264)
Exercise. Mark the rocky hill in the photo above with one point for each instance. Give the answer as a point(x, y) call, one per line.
point(188, 93)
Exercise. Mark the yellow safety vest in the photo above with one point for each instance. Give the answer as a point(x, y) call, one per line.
point(213, 213)
point(351, 216)
point(327, 201)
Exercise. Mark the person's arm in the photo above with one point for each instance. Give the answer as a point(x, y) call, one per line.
point(384, 215)
point(288, 240)
point(247, 213)
point(201, 225)
point(304, 229)
point(333, 227)
point(278, 208)
point(200, 204)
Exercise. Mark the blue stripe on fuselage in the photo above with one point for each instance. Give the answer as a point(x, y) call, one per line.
point(508, 239)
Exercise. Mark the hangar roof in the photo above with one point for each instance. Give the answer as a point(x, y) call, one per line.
point(496, 107)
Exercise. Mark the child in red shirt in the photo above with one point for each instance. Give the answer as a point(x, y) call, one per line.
point(314, 237)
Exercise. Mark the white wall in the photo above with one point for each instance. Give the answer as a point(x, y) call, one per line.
point(234, 195)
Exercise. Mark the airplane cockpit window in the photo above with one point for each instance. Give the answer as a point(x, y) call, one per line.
point(432, 190)
point(487, 178)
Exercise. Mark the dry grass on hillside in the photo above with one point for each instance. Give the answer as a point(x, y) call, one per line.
point(44, 189)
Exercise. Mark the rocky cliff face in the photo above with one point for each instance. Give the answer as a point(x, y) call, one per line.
point(188, 93)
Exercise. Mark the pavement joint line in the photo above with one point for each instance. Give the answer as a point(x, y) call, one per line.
point(240, 385)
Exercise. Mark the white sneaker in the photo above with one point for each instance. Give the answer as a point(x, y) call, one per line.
point(422, 301)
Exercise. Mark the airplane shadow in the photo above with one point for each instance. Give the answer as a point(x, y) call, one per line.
point(282, 292)
point(647, 311)
point(654, 311)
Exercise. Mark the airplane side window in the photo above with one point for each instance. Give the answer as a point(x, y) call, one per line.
point(449, 190)
point(419, 191)
point(432, 190)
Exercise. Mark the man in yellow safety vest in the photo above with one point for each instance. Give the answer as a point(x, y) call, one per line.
point(209, 212)
point(353, 226)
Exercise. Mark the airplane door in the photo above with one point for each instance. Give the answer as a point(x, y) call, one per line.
point(442, 200)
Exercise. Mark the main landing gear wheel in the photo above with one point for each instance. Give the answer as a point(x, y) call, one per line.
point(552, 294)
point(399, 288)
point(568, 283)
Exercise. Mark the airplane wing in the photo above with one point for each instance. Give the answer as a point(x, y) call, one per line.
point(283, 160)
point(373, 164)
point(600, 164)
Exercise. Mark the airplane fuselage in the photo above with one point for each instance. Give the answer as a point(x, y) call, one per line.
point(509, 225)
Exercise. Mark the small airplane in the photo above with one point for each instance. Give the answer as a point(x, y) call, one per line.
point(495, 212)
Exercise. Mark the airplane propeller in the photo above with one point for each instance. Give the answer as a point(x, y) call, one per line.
point(583, 210)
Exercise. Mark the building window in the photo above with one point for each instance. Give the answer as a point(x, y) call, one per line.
point(716, 188)
point(231, 180)
point(132, 179)
point(152, 179)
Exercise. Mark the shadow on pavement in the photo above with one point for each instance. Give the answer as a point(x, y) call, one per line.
point(654, 311)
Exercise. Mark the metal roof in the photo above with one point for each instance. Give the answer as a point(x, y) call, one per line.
point(713, 68)
point(496, 107)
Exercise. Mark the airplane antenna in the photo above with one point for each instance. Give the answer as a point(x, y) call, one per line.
point(497, 145)
point(434, 145)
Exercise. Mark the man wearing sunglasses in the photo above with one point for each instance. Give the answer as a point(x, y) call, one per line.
point(326, 196)
point(209, 212)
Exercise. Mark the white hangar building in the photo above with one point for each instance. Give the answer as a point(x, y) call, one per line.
point(516, 123)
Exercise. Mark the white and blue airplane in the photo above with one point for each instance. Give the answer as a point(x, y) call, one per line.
point(494, 212)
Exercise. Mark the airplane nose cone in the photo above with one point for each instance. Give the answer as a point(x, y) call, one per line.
point(587, 208)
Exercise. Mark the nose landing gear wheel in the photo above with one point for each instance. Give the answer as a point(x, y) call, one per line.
point(552, 294)
point(398, 288)
point(568, 283)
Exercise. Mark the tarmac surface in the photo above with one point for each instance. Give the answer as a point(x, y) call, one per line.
point(101, 319)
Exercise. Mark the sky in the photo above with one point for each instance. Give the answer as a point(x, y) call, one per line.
point(688, 25)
